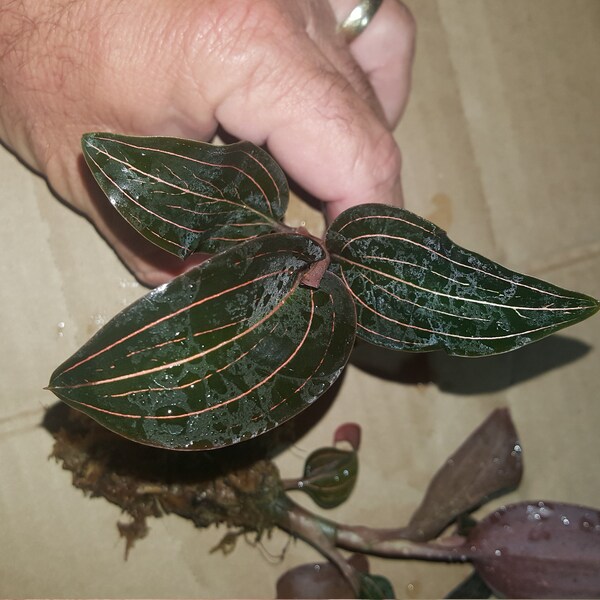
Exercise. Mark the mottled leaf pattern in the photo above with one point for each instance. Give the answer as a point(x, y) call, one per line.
point(245, 341)
point(222, 353)
point(416, 290)
point(188, 196)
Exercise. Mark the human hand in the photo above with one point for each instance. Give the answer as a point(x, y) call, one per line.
point(274, 72)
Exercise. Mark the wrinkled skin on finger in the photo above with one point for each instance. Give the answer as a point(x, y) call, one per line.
point(270, 71)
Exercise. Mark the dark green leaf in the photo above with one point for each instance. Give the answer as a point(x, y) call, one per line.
point(375, 587)
point(222, 353)
point(538, 550)
point(329, 476)
point(472, 587)
point(416, 290)
point(188, 196)
point(486, 464)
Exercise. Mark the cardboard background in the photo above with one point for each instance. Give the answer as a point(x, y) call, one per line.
point(501, 146)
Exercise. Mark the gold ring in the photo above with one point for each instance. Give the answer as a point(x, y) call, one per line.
point(358, 19)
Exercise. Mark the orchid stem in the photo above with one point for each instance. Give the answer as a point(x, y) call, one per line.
point(388, 543)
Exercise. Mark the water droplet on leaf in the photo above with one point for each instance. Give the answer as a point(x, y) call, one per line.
point(171, 410)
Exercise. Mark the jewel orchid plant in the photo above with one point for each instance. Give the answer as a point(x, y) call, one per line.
point(527, 549)
point(249, 338)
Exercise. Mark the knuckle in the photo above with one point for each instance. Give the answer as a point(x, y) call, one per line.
point(241, 43)
point(373, 170)
point(386, 162)
point(378, 169)
point(243, 28)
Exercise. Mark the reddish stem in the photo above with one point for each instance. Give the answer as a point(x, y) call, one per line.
point(314, 274)
point(389, 543)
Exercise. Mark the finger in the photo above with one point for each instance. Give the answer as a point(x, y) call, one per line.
point(328, 140)
point(323, 133)
point(150, 264)
point(385, 51)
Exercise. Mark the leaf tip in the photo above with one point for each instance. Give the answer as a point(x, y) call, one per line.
point(87, 139)
point(349, 433)
point(594, 305)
